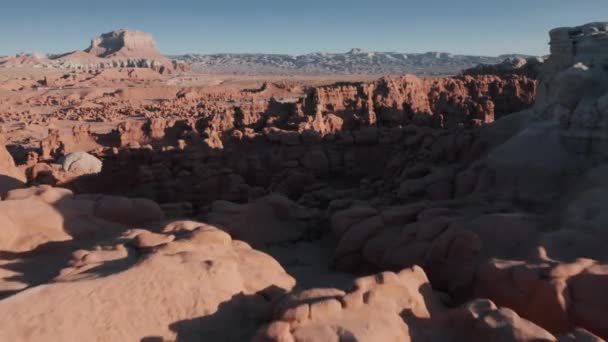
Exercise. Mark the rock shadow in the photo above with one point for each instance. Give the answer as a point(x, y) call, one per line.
point(8, 183)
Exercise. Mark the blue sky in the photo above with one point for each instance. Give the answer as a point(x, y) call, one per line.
point(477, 27)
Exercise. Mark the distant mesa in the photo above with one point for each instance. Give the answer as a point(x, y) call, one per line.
point(124, 43)
point(116, 49)
point(120, 49)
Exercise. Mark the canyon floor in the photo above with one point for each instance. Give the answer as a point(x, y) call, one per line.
point(149, 202)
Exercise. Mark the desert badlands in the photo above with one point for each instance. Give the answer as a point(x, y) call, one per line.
point(152, 199)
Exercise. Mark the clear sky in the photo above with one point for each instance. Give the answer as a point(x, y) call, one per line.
point(480, 27)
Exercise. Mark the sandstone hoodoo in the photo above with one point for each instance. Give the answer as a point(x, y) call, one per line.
point(199, 207)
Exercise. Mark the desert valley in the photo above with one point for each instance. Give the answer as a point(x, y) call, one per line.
point(359, 196)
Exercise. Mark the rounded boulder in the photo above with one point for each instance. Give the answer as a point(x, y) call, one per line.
point(81, 163)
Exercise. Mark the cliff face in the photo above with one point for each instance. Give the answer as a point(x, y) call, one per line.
point(565, 133)
point(573, 91)
point(441, 102)
point(585, 44)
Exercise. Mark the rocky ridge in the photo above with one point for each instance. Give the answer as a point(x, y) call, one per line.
point(356, 61)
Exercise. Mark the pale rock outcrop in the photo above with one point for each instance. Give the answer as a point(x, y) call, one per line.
point(566, 130)
point(81, 163)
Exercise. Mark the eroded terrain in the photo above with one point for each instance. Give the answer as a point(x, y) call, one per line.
point(160, 204)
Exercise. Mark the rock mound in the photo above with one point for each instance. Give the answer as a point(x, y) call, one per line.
point(145, 287)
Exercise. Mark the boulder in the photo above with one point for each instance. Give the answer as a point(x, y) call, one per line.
point(81, 163)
